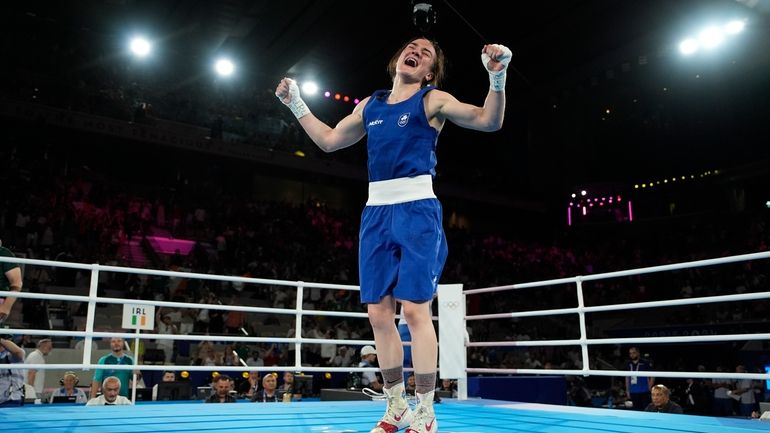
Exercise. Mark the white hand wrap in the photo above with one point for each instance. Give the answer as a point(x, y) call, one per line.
point(497, 79)
point(296, 104)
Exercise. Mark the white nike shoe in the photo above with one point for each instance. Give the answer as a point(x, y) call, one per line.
point(424, 419)
point(398, 414)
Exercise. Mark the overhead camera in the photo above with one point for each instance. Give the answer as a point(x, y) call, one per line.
point(423, 15)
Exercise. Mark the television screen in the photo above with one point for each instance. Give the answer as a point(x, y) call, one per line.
point(144, 394)
point(303, 384)
point(64, 399)
point(204, 392)
point(178, 390)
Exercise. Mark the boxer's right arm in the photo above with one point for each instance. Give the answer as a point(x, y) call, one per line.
point(347, 132)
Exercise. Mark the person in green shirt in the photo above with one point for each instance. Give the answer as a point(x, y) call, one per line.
point(117, 357)
point(10, 279)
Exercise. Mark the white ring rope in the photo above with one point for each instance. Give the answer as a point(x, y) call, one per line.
point(581, 310)
point(299, 312)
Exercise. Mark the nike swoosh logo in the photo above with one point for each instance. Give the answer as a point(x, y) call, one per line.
point(398, 417)
point(429, 426)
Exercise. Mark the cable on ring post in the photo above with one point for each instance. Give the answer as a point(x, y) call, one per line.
point(484, 40)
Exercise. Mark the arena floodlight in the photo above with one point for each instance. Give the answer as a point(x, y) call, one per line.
point(224, 67)
point(140, 46)
point(688, 46)
point(711, 37)
point(735, 27)
point(309, 88)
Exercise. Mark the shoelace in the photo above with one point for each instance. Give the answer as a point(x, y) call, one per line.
point(421, 413)
point(374, 395)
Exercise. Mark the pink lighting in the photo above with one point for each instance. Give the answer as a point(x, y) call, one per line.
point(164, 245)
point(327, 94)
point(630, 211)
point(569, 215)
point(584, 211)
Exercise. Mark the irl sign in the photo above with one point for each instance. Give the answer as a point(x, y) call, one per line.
point(138, 316)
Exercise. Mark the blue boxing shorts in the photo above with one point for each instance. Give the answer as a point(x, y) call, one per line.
point(402, 251)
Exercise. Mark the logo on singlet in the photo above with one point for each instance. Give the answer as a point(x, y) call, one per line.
point(403, 119)
point(375, 122)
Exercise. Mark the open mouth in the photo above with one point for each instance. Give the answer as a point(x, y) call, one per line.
point(411, 61)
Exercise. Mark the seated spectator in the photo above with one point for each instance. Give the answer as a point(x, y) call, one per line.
point(268, 393)
point(288, 386)
point(249, 387)
point(222, 387)
point(410, 384)
point(254, 359)
point(661, 401)
point(11, 379)
point(68, 388)
point(168, 376)
point(449, 386)
point(110, 391)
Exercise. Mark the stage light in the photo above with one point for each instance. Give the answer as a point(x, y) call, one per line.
point(141, 47)
point(327, 94)
point(423, 15)
point(711, 37)
point(224, 67)
point(309, 88)
point(688, 46)
point(734, 27)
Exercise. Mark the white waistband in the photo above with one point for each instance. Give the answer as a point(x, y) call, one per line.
point(400, 190)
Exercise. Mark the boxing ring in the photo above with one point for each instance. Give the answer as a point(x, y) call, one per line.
point(462, 415)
